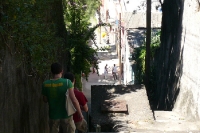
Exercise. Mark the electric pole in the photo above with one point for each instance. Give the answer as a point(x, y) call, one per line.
point(119, 55)
point(99, 12)
point(148, 42)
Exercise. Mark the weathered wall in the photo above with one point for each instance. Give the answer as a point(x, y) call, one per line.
point(188, 101)
point(168, 60)
point(178, 60)
point(21, 106)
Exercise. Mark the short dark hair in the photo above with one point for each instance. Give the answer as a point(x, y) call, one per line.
point(56, 68)
point(69, 76)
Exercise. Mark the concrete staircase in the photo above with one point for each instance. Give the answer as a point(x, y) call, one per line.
point(165, 122)
point(141, 120)
point(170, 121)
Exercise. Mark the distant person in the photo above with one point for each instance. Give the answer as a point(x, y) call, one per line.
point(114, 72)
point(53, 92)
point(81, 124)
point(93, 68)
point(105, 71)
point(94, 62)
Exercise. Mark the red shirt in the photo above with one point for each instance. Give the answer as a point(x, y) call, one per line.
point(82, 101)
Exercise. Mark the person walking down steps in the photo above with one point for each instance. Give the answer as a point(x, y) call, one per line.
point(81, 124)
point(53, 92)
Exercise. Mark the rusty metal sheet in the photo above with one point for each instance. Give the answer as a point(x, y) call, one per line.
point(115, 106)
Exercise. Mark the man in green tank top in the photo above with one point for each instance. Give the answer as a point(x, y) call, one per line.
point(53, 92)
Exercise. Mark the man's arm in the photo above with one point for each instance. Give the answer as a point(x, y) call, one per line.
point(82, 100)
point(84, 108)
point(75, 102)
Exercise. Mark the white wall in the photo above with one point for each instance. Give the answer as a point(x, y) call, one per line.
point(188, 101)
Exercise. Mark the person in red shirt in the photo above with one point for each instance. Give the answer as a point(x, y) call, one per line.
point(81, 124)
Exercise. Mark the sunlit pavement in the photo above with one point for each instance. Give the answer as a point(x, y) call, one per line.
point(105, 57)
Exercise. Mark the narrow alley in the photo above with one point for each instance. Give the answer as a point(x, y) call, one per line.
point(140, 117)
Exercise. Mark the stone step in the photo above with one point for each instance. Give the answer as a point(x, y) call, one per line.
point(153, 131)
point(175, 122)
point(150, 131)
point(166, 122)
point(166, 116)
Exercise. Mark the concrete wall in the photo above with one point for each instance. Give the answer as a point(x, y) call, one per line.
point(188, 101)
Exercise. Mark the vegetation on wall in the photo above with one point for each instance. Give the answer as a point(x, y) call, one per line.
point(140, 58)
point(27, 34)
point(140, 54)
point(35, 31)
